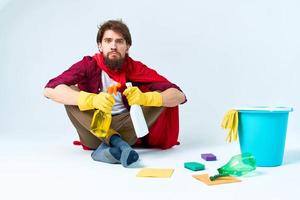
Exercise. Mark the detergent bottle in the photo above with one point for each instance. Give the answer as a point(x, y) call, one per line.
point(138, 119)
point(101, 121)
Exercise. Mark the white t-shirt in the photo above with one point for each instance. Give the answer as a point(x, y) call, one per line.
point(106, 82)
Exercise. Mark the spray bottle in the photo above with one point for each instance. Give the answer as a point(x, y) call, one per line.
point(138, 119)
point(101, 121)
point(238, 165)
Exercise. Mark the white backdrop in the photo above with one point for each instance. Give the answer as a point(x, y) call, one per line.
point(222, 54)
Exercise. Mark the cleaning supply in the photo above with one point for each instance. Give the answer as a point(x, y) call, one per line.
point(101, 120)
point(262, 132)
point(230, 122)
point(194, 166)
point(208, 156)
point(100, 123)
point(138, 119)
point(221, 180)
point(156, 172)
point(238, 165)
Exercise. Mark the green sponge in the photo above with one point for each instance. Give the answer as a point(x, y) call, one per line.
point(195, 166)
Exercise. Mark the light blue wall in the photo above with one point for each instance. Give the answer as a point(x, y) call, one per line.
point(223, 54)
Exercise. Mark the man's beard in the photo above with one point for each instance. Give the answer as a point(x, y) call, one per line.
point(114, 64)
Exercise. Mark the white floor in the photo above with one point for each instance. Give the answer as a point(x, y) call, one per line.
point(50, 167)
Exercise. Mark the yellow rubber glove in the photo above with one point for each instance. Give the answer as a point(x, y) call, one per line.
point(102, 101)
point(135, 96)
point(230, 122)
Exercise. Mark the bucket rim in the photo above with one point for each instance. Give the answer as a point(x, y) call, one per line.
point(265, 109)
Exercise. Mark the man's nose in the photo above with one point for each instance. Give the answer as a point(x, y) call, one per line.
point(113, 45)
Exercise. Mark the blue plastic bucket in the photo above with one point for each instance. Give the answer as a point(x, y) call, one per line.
point(262, 132)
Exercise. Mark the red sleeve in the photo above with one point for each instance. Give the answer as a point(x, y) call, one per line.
point(72, 76)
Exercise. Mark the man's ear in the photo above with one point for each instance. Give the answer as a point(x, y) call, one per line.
point(99, 47)
point(127, 50)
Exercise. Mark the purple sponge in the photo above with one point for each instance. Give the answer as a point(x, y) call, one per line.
point(208, 156)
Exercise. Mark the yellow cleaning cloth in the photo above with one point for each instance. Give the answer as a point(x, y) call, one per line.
point(230, 122)
point(221, 180)
point(155, 173)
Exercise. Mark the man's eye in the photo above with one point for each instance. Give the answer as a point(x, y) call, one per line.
point(107, 40)
point(121, 41)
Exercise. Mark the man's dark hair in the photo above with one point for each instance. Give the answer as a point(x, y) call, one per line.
point(117, 26)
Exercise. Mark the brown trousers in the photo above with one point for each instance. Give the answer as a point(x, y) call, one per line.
point(121, 123)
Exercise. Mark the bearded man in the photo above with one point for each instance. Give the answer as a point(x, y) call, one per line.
point(83, 89)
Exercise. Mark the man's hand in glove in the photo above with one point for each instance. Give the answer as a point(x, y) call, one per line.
point(135, 96)
point(102, 101)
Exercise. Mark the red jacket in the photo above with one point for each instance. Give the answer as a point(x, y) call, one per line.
point(87, 75)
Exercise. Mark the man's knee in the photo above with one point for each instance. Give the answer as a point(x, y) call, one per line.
point(71, 109)
point(151, 114)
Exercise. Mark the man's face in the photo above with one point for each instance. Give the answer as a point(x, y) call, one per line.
point(114, 48)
